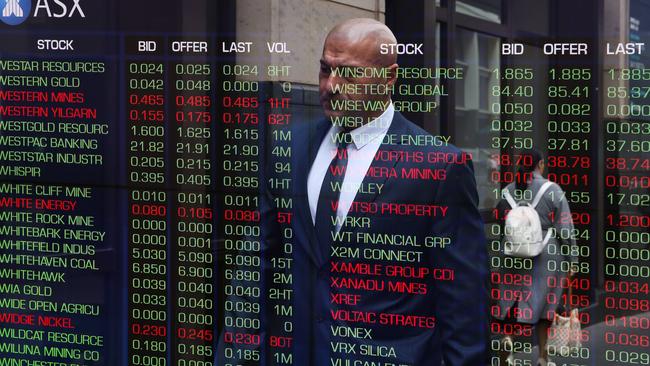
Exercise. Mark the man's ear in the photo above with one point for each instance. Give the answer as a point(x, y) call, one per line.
point(392, 74)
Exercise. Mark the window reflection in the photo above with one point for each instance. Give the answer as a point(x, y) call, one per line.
point(478, 55)
point(489, 10)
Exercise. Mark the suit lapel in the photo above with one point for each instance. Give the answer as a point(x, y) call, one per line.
point(317, 135)
point(397, 128)
point(316, 247)
point(317, 132)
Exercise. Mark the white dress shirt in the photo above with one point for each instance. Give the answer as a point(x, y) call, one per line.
point(366, 141)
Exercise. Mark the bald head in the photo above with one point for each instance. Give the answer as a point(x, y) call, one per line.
point(367, 35)
point(353, 69)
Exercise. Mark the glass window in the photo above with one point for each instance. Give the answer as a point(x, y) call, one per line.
point(435, 128)
point(478, 55)
point(407, 90)
point(537, 62)
point(489, 10)
point(639, 31)
point(521, 15)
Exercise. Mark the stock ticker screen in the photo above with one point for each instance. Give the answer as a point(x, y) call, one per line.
point(320, 182)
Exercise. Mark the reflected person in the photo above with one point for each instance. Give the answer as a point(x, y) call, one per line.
point(390, 260)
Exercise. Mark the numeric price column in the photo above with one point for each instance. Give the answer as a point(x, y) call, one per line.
point(511, 278)
point(239, 163)
point(280, 259)
point(627, 216)
point(147, 218)
point(193, 277)
point(569, 164)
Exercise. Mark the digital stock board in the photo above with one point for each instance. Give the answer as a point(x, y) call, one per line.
point(316, 182)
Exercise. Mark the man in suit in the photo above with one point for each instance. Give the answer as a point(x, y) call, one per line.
point(389, 260)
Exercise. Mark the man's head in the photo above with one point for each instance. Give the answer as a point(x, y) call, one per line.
point(353, 47)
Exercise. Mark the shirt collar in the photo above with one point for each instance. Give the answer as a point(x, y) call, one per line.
point(374, 129)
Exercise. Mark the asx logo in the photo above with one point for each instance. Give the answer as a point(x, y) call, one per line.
point(15, 12)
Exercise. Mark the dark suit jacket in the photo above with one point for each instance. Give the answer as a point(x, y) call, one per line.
point(414, 295)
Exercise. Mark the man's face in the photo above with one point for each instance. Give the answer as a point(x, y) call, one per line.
point(341, 55)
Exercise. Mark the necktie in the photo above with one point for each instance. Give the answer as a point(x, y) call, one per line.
point(330, 190)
